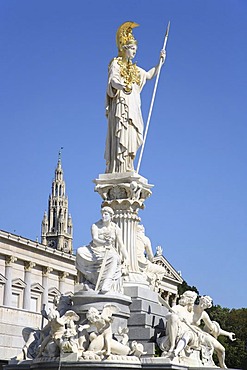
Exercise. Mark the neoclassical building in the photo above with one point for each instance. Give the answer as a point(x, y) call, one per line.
point(32, 274)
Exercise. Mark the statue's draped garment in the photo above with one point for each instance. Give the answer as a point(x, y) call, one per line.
point(89, 261)
point(125, 123)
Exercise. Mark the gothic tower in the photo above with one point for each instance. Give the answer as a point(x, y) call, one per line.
point(57, 227)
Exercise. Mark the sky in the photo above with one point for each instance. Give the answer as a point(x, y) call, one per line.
point(53, 71)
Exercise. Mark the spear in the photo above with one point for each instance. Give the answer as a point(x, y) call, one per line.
point(102, 268)
point(153, 97)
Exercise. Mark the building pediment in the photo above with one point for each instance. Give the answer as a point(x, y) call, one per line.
point(37, 288)
point(2, 279)
point(18, 283)
point(54, 292)
point(171, 273)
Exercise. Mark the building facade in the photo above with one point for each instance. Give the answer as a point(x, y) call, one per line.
point(31, 275)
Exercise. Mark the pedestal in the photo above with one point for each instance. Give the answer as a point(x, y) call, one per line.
point(147, 317)
point(125, 193)
point(83, 300)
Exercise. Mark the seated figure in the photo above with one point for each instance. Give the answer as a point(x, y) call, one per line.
point(184, 334)
point(153, 272)
point(99, 263)
point(177, 320)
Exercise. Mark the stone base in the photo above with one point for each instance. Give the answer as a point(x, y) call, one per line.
point(124, 364)
point(155, 363)
point(146, 320)
point(160, 363)
point(83, 300)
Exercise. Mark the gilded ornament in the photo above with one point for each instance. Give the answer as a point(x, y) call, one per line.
point(124, 36)
point(130, 73)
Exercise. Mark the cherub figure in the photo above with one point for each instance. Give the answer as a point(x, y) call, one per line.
point(101, 341)
point(57, 331)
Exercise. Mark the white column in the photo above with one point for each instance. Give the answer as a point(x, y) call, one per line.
point(62, 276)
point(128, 220)
point(174, 299)
point(27, 292)
point(46, 271)
point(8, 286)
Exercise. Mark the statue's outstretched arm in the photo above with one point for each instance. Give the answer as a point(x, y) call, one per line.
point(214, 328)
point(153, 71)
point(208, 322)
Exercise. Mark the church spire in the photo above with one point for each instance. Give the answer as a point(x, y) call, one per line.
point(57, 227)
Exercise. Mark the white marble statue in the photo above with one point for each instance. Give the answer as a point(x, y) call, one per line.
point(36, 339)
point(184, 334)
point(123, 103)
point(159, 251)
point(99, 263)
point(62, 334)
point(199, 338)
point(101, 340)
point(176, 318)
point(89, 341)
point(152, 271)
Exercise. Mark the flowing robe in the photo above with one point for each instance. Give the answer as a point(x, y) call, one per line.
point(125, 123)
point(89, 260)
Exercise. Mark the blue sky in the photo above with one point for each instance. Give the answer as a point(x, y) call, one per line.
point(53, 71)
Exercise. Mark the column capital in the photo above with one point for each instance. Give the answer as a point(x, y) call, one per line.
point(125, 191)
point(62, 275)
point(9, 260)
point(28, 265)
point(46, 270)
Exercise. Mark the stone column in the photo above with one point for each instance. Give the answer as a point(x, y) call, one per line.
point(167, 298)
point(174, 299)
point(27, 292)
point(62, 276)
point(8, 286)
point(46, 271)
point(125, 193)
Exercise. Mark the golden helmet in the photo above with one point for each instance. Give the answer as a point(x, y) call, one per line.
point(124, 35)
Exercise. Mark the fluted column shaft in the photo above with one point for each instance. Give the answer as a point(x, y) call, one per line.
point(62, 286)
point(46, 272)
point(128, 221)
point(7, 298)
point(27, 292)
